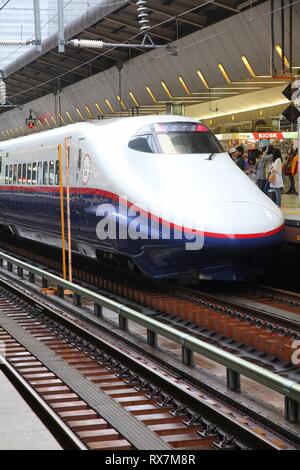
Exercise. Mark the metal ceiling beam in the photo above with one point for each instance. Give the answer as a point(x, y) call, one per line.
point(31, 94)
point(48, 76)
point(119, 16)
point(15, 84)
point(31, 80)
point(70, 59)
point(88, 56)
point(205, 5)
point(189, 18)
point(90, 17)
point(227, 7)
point(157, 32)
point(63, 67)
point(123, 55)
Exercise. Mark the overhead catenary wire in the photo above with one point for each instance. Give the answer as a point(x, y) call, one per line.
point(208, 2)
point(30, 40)
point(3, 6)
point(212, 36)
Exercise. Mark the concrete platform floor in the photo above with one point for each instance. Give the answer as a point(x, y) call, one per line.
point(290, 203)
point(20, 428)
point(291, 206)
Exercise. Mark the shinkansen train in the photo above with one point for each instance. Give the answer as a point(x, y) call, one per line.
point(157, 193)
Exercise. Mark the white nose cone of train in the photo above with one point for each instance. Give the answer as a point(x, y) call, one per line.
point(243, 218)
point(215, 197)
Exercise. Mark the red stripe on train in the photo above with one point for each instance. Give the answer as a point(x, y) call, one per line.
point(115, 197)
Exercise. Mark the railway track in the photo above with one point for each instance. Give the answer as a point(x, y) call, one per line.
point(86, 356)
point(169, 422)
point(258, 323)
point(106, 403)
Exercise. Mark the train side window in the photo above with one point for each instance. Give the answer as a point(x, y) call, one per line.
point(34, 172)
point(51, 172)
point(15, 175)
point(45, 173)
point(29, 173)
point(57, 175)
point(40, 174)
point(10, 173)
point(19, 173)
point(24, 174)
point(6, 174)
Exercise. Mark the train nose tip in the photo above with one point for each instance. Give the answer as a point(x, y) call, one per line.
point(249, 218)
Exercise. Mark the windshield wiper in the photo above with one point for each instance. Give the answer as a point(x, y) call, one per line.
point(211, 156)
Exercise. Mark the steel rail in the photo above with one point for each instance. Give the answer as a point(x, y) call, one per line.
point(70, 435)
point(234, 366)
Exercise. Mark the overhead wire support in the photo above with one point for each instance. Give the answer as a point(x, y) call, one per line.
point(94, 44)
point(143, 15)
point(147, 42)
point(3, 94)
point(4, 102)
point(37, 25)
point(17, 42)
point(61, 26)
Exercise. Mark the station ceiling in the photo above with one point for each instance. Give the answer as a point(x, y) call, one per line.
point(38, 74)
point(150, 82)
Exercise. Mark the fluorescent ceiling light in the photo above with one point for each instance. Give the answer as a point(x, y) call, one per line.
point(184, 85)
point(151, 94)
point(280, 53)
point(135, 101)
point(248, 66)
point(224, 73)
point(165, 87)
point(203, 80)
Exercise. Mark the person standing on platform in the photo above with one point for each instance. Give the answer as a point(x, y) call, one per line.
point(275, 178)
point(251, 167)
point(235, 153)
point(268, 161)
point(291, 169)
point(242, 159)
point(260, 170)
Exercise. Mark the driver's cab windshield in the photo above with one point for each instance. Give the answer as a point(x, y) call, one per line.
point(175, 139)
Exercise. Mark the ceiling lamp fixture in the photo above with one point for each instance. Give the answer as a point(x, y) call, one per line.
point(110, 105)
point(135, 101)
point(184, 85)
point(99, 108)
point(280, 53)
point(153, 97)
point(70, 117)
point(165, 87)
point(89, 112)
point(203, 80)
point(224, 73)
point(80, 113)
point(122, 104)
point(248, 66)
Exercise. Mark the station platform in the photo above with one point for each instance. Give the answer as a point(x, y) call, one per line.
point(291, 212)
point(20, 428)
